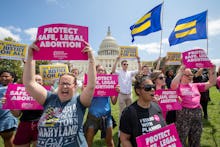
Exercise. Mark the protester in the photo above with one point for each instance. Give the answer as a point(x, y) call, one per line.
point(189, 119)
point(201, 75)
point(169, 77)
point(28, 124)
point(125, 82)
point(141, 117)
point(61, 122)
point(75, 71)
point(8, 123)
point(145, 70)
point(99, 117)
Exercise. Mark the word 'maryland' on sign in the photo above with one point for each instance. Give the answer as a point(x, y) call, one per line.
point(168, 100)
point(163, 137)
point(17, 98)
point(128, 52)
point(50, 73)
point(12, 50)
point(61, 42)
point(173, 58)
point(196, 58)
point(105, 84)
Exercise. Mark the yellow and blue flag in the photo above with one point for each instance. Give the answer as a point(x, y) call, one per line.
point(190, 28)
point(147, 24)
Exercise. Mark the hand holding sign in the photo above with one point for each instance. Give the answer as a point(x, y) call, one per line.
point(196, 58)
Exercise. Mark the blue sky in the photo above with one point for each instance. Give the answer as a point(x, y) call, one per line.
point(20, 19)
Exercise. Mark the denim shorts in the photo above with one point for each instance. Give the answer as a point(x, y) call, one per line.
point(96, 123)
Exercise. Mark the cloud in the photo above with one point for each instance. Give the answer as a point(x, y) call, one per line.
point(216, 62)
point(214, 27)
point(150, 48)
point(5, 32)
point(32, 32)
point(14, 29)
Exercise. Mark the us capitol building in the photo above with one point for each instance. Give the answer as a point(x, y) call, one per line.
point(108, 52)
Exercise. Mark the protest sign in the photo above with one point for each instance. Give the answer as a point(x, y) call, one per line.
point(148, 63)
point(196, 58)
point(163, 137)
point(51, 73)
point(105, 84)
point(17, 98)
point(173, 58)
point(129, 52)
point(168, 100)
point(61, 42)
point(12, 50)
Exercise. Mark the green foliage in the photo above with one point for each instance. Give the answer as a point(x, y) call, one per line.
point(41, 62)
point(211, 127)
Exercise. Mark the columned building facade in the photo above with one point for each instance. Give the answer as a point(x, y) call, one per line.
point(108, 52)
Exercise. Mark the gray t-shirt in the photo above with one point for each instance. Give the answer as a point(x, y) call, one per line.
point(61, 123)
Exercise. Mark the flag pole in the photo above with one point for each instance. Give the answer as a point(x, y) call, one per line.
point(161, 34)
point(207, 28)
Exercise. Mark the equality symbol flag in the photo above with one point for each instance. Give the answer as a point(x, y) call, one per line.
point(190, 28)
point(147, 24)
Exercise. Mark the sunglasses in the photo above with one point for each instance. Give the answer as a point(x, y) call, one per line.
point(148, 87)
point(125, 64)
point(161, 78)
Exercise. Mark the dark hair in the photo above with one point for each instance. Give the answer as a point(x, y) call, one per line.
point(11, 73)
point(139, 79)
point(123, 61)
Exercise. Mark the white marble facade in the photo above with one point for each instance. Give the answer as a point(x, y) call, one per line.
point(107, 53)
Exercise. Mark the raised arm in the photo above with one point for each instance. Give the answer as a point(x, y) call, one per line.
point(176, 80)
point(212, 78)
point(88, 91)
point(139, 64)
point(32, 87)
point(115, 64)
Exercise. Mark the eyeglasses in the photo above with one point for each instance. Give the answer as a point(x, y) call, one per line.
point(125, 64)
point(161, 78)
point(188, 75)
point(100, 70)
point(148, 87)
point(65, 84)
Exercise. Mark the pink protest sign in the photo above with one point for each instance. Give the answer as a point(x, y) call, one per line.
point(168, 100)
point(17, 98)
point(196, 58)
point(105, 85)
point(61, 42)
point(166, 136)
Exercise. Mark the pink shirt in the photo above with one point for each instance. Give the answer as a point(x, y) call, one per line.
point(190, 94)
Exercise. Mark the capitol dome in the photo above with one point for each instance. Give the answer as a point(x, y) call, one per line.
point(109, 46)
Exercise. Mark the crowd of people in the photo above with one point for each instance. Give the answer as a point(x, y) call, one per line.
point(61, 122)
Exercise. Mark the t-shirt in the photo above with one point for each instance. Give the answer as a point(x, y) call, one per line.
point(190, 94)
point(7, 120)
point(61, 123)
point(100, 106)
point(31, 115)
point(125, 80)
point(137, 121)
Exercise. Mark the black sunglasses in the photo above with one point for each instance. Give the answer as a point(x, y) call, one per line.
point(161, 78)
point(125, 64)
point(148, 87)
